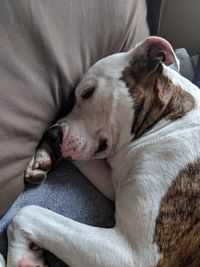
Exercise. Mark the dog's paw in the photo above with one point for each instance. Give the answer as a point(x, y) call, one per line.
point(39, 166)
point(34, 257)
point(31, 256)
point(22, 250)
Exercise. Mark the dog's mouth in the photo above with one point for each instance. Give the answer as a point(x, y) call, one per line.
point(100, 152)
point(75, 147)
point(103, 145)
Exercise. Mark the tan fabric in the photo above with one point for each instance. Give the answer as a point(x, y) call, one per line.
point(45, 47)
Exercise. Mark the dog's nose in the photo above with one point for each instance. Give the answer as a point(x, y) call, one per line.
point(53, 136)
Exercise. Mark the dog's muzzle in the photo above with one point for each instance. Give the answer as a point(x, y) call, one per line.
point(53, 137)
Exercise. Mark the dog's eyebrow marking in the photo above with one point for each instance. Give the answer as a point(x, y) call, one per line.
point(155, 98)
point(177, 231)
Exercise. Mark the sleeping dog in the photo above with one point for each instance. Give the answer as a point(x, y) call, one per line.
point(143, 117)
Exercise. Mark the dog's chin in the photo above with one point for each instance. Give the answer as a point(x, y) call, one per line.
point(78, 156)
point(83, 157)
point(103, 155)
point(93, 153)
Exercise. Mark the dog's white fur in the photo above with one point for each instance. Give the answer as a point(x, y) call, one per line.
point(142, 172)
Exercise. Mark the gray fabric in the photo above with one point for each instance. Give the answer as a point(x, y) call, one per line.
point(187, 63)
point(65, 191)
point(45, 48)
point(186, 66)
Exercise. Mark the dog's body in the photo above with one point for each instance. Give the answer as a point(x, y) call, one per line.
point(147, 125)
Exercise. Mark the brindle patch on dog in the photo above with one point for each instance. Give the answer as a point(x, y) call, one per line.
point(155, 98)
point(177, 231)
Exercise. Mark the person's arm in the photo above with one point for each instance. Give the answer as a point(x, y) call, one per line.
point(98, 173)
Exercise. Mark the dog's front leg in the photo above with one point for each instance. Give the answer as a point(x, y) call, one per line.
point(39, 165)
point(77, 244)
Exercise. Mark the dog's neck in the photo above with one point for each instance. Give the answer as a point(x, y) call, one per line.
point(155, 98)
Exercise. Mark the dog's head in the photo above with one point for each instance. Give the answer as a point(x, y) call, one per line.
point(114, 101)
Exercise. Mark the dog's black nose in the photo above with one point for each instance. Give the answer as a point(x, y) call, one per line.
point(53, 136)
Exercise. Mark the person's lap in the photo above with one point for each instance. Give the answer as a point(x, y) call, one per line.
point(69, 193)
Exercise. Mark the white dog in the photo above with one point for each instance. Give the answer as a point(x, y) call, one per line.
point(144, 118)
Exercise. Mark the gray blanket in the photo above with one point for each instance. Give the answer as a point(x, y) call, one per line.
point(67, 192)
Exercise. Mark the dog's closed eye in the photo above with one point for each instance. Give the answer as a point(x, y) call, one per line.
point(87, 93)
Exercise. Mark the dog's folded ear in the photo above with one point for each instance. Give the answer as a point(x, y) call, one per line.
point(146, 57)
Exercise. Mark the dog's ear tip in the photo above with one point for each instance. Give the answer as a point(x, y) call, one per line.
point(157, 40)
point(150, 54)
point(162, 45)
point(156, 47)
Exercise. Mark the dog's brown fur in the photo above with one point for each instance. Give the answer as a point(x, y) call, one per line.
point(155, 97)
point(177, 231)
